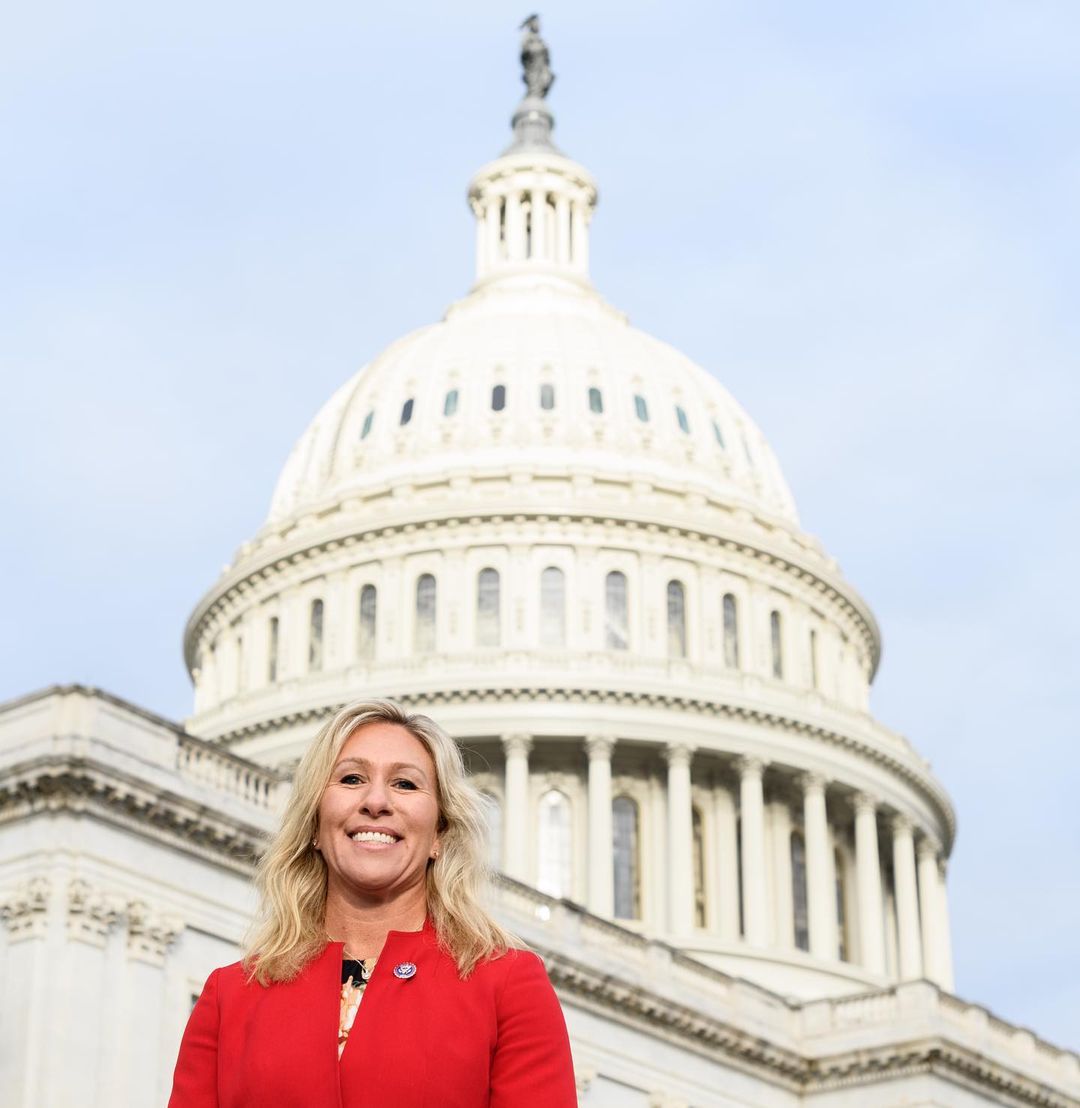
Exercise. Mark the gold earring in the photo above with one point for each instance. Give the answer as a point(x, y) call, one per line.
point(315, 843)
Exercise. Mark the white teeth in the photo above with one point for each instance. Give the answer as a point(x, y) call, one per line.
point(372, 837)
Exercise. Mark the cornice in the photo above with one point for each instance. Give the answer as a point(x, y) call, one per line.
point(84, 787)
point(810, 569)
point(434, 698)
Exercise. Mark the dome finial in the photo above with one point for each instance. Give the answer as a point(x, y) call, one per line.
point(533, 122)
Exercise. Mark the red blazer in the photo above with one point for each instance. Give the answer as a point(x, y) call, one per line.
point(495, 1040)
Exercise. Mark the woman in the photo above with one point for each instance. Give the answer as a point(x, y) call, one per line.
point(373, 976)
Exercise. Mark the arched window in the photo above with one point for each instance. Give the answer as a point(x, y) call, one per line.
point(241, 678)
point(684, 423)
point(798, 890)
point(627, 858)
point(777, 645)
point(272, 650)
point(676, 620)
point(554, 863)
point(450, 403)
point(493, 817)
point(731, 631)
point(596, 401)
point(641, 408)
point(842, 944)
point(406, 412)
point(498, 398)
point(315, 636)
point(698, 828)
point(719, 435)
point(547, 397)
point(365, 636)
point(552, 607)
point(366, 429)
point(813, 659)
point(616, 622)
point(424, 635)
point(487, 608)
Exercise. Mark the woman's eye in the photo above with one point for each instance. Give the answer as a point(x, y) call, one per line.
point(351, 779)
point(404, 783)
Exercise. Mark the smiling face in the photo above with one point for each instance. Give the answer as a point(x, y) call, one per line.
point(378, 818)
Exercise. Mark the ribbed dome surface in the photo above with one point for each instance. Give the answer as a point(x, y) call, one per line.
point(581, 390)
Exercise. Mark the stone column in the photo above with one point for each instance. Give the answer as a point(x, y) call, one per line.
point(868, 880)
point(680, 854)
point(491, 233)
point(515, 227)
point(945, 931)
point(580, 240)
point(727, 864)
point(562, 229)
point(516, 811)
point(783, 914)
point(907, 900)
point(752, 810)
point(601, 898)
point(820, 887)
point(538, 208)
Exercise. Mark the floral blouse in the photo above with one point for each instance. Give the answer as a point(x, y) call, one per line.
point(354, 978)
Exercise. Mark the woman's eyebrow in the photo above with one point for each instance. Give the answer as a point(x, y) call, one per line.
point(363, 763)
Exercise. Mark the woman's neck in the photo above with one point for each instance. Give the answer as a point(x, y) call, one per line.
point(363, 928)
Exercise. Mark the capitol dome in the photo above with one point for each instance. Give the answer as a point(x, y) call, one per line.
point(574, 548)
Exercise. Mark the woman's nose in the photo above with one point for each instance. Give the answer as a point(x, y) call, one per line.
point(377, 798)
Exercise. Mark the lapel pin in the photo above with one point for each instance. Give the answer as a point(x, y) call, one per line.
point(404, 970)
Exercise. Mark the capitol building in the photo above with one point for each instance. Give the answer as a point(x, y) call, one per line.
point(573, 548)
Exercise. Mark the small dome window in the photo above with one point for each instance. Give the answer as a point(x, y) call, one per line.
point(498, 398)
point(450, 403)
point(641, 408)
point(406, 411)
point(366, 429)
point(596, 401)
point(719, 435)
point(547, 397)
point(684, 423)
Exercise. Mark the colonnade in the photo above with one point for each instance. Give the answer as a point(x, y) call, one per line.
point(738, 878)
point(531, 224)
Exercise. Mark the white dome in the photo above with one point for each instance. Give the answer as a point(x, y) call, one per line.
point(662, 419)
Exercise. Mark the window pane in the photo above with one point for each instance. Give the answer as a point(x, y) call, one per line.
point(777, 649)
point(406, 411)
point(676, 620)
point(425, 614)
point(554, 869)
point(798, 890)
point(616, 623)
point(450, 403)
point(596, 401)
point(487, 608)
point(315, 636)
point(731, 632)
point(366, 633)
point(547, 397)
point(366, 429)
point(498, 398)
point(552, 607)
point(641, 408)
point(627, 863)
point(719, 435)
point(684, 423)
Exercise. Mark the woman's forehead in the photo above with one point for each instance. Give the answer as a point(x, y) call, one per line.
point(385, 744)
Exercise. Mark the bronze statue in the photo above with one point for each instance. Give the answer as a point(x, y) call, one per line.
point(535, 60)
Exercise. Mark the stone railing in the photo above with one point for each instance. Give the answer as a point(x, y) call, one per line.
point(203, 762)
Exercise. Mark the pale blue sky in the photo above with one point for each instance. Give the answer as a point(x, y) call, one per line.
point(863, 220)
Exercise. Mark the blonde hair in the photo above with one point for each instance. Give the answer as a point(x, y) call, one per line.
point(289, 929)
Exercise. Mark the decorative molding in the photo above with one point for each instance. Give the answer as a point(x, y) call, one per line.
point(599, 747)
point(150, 933)
point(91, 914)
point(25, 909)
point(520, 745)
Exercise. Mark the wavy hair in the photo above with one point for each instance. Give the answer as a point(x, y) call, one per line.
point(289, 928)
